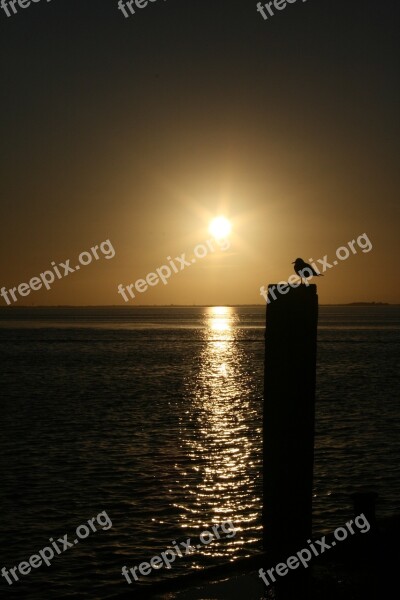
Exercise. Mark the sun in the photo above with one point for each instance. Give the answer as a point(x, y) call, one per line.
point(220, 227)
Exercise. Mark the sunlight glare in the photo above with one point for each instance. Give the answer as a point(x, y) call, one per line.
point(220, 227)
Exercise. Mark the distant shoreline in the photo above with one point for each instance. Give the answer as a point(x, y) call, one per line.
point(124, 306)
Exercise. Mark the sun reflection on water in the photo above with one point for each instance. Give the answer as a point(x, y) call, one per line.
point(218, 438)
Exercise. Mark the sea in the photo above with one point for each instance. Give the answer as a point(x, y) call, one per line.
point(152, 416)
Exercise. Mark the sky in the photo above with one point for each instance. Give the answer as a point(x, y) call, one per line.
point(141, 130)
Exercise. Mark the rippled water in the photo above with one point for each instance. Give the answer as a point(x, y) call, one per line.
point(154, 415)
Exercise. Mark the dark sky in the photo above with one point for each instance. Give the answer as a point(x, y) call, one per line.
point(141, 130)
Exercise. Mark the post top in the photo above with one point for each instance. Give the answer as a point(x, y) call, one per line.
point(312, 287)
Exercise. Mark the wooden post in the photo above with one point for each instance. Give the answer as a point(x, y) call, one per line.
point(289, 409)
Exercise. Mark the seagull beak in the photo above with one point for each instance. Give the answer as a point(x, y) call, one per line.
point(293, 262)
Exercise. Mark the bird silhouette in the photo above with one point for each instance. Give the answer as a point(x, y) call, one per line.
point(304, 270)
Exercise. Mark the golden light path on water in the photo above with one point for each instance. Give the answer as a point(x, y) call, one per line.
point(218, 437)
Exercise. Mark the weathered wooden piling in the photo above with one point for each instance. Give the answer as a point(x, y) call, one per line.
point(289, 408)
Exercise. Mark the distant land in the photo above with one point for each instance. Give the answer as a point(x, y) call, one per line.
point(20, 306)
point(367, 304)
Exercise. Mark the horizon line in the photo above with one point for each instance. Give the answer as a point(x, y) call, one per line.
point(11, 307)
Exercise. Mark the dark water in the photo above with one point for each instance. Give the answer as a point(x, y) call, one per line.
point(154, 416)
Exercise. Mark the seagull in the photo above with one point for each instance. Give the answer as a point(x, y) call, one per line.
point(304, 270)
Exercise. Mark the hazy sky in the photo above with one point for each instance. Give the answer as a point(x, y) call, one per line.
point(140, 130)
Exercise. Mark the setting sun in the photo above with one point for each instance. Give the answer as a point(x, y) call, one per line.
point(220, 227)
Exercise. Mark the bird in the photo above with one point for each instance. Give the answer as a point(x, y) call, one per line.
point(304, 270)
